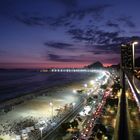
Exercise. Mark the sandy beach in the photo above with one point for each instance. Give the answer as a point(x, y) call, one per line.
point(39, 107)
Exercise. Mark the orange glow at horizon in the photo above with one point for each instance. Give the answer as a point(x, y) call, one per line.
point(46, 65)
point(107, 64)
point(41, 65)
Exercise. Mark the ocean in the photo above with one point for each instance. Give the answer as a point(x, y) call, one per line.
point(16, 83)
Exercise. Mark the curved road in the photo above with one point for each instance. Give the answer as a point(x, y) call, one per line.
point(54, 132)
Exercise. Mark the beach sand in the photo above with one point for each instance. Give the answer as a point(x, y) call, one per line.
point(39, 107)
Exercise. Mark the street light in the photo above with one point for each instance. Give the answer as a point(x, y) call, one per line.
point(74, 91)
point(73, 104)
point(51, 104)
point(91, 82)
point(41, 128)
point(85, 85)
point(133, 51)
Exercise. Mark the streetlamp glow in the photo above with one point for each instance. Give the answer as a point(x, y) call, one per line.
point(85, 85)
point(135, 43)
point(73, 104)
point(91, 82)
point(74, 91)
point(51, 104)
point(41, 128)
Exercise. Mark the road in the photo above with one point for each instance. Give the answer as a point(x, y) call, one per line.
point(87, 131)
point(54, 132)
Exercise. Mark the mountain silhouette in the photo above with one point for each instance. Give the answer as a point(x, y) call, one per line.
point(95, 65)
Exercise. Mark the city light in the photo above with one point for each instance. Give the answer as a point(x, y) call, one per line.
point(41, 128)
point(91, 82)
point(74, 91)
point(69, 69)
point(85, 85)
point(51, 104)
point(73, 104)
point(135, 43)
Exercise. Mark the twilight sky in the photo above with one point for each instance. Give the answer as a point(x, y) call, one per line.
point(65, 33)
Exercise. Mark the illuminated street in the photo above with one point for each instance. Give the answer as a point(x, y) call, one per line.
point(43, 108)
point(69, 69)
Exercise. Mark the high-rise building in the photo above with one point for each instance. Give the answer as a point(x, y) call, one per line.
point(127, 57)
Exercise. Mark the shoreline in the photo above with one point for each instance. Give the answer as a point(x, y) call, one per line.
point(9, 103)
point(36, 105)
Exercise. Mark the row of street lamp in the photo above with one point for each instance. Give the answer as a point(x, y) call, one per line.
point(41, 128)
point(52, 114)
point(85, 85)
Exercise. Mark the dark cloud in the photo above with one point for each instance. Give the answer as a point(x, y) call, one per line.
point(99, 37)
point(77, 34)
point(126, 39)
point(54, 57)
point(32, 20)
point(65, 58)
point(65, 20)
point(108, 49)
point(97, 50)
point(43, 21)
point(99, 41)
point(92, 35)
point(127, 20)
point(111, 24)
point(113, 48)
point(95, 12)
point(59, 45)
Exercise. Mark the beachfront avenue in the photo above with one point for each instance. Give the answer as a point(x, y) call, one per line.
point(43, 116)
point(74, 126)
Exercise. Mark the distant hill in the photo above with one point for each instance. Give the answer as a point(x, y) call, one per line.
point(95, 65)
